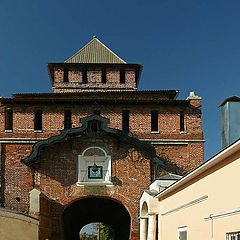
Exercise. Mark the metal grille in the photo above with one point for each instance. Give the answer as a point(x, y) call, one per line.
point(233, 236)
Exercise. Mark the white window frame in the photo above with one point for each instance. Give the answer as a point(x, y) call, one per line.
point(182, 229)
point(85, 161)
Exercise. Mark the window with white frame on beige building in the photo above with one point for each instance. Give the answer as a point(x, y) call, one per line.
point(182, 233)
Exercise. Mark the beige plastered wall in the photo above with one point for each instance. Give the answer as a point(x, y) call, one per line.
point(214, 192)
point(15, 226)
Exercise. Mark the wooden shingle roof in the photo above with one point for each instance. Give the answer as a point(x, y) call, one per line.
point(95, 52)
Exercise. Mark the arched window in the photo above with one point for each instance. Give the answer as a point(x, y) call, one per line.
point(94, 167)
point(144, 222)
point(144, 210)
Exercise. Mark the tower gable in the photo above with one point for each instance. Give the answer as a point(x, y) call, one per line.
point(95, 52)
point(94, 68)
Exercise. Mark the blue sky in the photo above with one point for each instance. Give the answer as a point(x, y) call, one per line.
point(186, 45)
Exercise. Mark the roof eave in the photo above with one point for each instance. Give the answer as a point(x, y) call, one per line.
point(223, 154)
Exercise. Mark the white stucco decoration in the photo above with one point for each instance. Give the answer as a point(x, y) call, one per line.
point(101, 160)
point(34, 200)
point(151, 202)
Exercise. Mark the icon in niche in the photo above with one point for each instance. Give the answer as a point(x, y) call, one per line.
point(95, 172)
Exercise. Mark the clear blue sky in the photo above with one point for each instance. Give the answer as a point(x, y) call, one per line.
point(186, 45)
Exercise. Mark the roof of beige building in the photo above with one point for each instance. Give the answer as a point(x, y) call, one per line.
point(95, 52)
point(216, 159)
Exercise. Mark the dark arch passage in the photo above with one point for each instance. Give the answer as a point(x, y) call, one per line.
point(96, 209)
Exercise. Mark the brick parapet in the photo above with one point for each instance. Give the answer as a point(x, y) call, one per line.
point(94, 80)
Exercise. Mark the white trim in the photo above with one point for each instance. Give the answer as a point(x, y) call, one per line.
point(20, 140)
point(222, 214)
point(85, 161)
point(107, 184)
point(8, 131)
point(182, 229)
point(211, 162)
point(171, 141)
point(183, 132)
point(196, 201)
point(105, 154)
point(38, 131)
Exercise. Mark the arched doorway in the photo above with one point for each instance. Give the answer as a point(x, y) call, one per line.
point(96, 209)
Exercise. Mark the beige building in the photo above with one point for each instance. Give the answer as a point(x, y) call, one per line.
point(205, 204)
point(17, 226)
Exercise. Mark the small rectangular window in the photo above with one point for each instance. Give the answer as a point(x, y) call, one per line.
point(182, 121)
point(104, 79)
point(122, 76)
point(67, 119)
point(84, 76)
point(125, 120)
point(154, 121)
point(65, 78)
point(8, 119)
point(182, 233)
point(38, 120)
point(233, 236)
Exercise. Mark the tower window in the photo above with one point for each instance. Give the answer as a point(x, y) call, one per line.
point(38, 120)
point(122, 76)
point(65, 77)
point(125, 120)
point(67, 119)
point(8, 119)
point(154, 121)
point(182, 121)
point(84, 76)
point(104, 80)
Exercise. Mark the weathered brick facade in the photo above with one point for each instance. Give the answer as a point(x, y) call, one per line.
point(54, 170)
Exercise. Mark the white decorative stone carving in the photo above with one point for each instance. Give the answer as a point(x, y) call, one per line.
point(34, 200)
point(192, 96)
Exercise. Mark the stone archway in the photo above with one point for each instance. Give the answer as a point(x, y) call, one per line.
point(96, 209)
point(144, 222)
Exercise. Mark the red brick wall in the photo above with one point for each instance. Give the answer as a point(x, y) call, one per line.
point(130, 174)
point(94, 78)
point(139, 122)
point(134, 176)
point(18, 181)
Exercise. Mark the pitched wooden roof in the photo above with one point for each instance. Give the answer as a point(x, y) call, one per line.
point(95, 52)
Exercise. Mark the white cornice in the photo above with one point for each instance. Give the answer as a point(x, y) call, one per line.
point(196, 201)
point(20, 140)
point(222, 214)
point(171, 141)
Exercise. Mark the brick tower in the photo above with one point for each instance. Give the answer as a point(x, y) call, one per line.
point(85, 152)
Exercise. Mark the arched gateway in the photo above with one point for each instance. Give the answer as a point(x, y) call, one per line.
point(90, 174)
point(96, 209)
point(95, 136)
